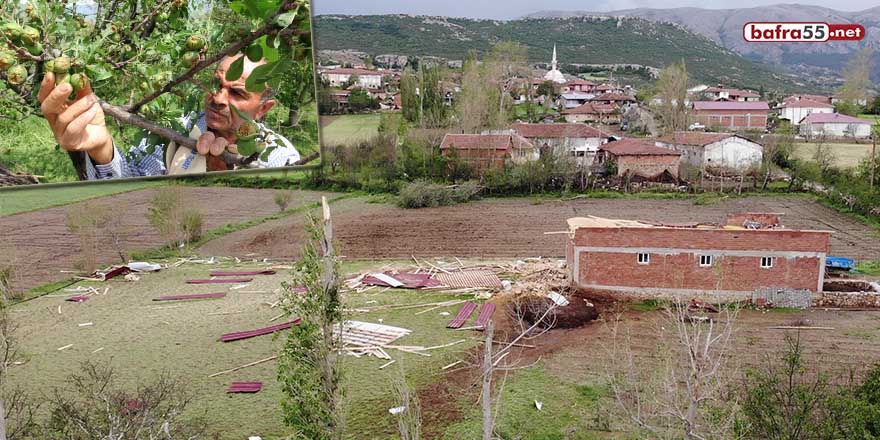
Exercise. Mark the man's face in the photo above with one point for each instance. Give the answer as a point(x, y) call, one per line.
point(218, 111)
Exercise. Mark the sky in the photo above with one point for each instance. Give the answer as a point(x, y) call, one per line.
point(509, 9)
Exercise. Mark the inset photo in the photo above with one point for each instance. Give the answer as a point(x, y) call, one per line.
point(108, 89)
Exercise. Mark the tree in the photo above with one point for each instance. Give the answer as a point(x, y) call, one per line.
point(857, 76)
point(163, 47)
point(472, 105)
point(309, 370)
point(505, 63)
point(360, 100)
point(409, 96)
point(671, 87)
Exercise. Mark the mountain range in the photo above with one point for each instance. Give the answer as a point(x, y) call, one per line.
point(724, 27)
point(580, 39)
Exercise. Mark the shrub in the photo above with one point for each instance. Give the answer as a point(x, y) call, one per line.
point(282, 199)
point(87, 221)
point(425, 194)
point(176, 223)
point(7, 291)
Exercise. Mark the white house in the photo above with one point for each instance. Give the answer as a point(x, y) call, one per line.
point(798, 109)
point(579, 140)
point(714, 150)
point(368, 79)
point(576, 99)
point(834, 124)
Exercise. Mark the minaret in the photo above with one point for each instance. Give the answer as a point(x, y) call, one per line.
point(553, 63)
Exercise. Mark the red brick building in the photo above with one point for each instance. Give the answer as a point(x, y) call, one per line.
point(638, 157)
point(728, 262)
point(485, 151)
point(732, 115)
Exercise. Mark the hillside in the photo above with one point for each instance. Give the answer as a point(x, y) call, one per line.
point(580, 40)
point(724, 26)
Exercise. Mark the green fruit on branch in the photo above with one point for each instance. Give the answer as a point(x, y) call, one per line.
point(195, 43)
point(62, 64)
point(61, 78)
point(7, 60)
point(190, 59)
point(79, 81)
point(49, 66)
point(16, 74)
point(12, 31)
point(30, 36)
point(35, 49)
point(247, 131)
point(144, 86)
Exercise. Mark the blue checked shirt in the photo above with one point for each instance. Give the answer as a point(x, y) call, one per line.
point(140, 162)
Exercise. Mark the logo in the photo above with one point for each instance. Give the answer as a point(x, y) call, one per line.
point(800, 32)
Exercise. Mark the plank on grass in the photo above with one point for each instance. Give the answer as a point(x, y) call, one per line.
point(245, 387)
point(258, 332)
point(242, 274)
point(77, 299)
point(221, 281)
point(485, 314)
point(195, 296)
point(463, 315)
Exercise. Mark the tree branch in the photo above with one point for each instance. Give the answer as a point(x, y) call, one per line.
point(126, 117)
point(266, 29)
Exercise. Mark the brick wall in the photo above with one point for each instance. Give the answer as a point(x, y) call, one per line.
point(647, 166)
point(732, 119)
point(798, 257)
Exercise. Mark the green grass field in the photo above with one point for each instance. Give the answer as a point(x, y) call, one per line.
point(845, 155)
point(350, 129)
point(37, 197)
point(140, 339)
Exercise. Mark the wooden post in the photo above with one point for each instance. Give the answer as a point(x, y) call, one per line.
point(488, 423)
point(873, 157)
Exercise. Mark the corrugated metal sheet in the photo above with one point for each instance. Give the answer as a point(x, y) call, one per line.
point(262, 331)
point(245, 387)
point(186, 297)
point(462, 316)
point(485, 314)
point(221, 281)
point(470, 278)
point(242, 274)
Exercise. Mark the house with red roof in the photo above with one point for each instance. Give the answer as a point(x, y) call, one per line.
point(704, 150)
point(613, 98)
point(794, 110)
point(579, 86)
point(639, 157)
point(732, 115)
point(727, 94)
point(488, 151)
point(593, 112)
point(834, 125)
point(578, 140)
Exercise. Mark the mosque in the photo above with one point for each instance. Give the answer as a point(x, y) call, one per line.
point(554, 74)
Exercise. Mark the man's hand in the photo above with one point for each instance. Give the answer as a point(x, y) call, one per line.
point(212, 146)
point(77, 125)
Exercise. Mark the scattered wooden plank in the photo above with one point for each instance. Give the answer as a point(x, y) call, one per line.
point(229, 337)
point(99, 349)
point(86, 324)
point(795, 327)
point(387, 364)
point(251, 364)
point(451, 365)
point(191, 297)
point(65, 347)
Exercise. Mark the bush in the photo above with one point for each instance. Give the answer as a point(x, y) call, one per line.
point(87, 221)
point(425, 194)
point(282, 199)
point(176, 223)
point(7, 291)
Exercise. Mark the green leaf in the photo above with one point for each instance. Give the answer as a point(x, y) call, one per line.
point(246, 148)
point(254, 52)
point(98, 73)
point(241, 114)
point(286, 19)
point(264, 156)
point(257, 80)
point(235, 69)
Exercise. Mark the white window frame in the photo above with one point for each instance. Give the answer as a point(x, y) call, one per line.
point(771, 260)
point(643, 261)
point(709, 257)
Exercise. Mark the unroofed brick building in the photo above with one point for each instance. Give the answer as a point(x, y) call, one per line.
point(639, 157)
point(732, 115)
point(636, 259)
point(489, 151)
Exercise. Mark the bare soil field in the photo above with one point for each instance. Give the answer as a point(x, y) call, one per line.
point(515, 227)
point(41, 246)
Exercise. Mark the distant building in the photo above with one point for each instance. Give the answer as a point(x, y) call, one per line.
point(638, 259)
point(579, 86)
point(725, 94)
point(732, 115)
point(368, 79)
point(714, 150)
point(834, 124)
point(489, 151)
point(613, 98)
point(576, 99)
point(639, 157)
point(593, 112)
point(795, 110)
point(578, 140)
point(554, 74)
point(825, 99)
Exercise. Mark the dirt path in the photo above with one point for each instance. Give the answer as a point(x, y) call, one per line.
point(41, 247)
point(515, 227)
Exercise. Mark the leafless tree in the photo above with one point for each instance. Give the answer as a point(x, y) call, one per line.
point(687, 383)
point(409, 422)
point(671, 87)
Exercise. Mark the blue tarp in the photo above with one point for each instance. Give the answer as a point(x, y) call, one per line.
point(840, 263)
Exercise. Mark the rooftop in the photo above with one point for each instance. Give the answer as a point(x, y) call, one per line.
point(591, 108)
point(731, 105)
point(806, 103)
point(558, 130)
point(484, 141)
point(695, 138)
point(637, 147)
point(832, 118)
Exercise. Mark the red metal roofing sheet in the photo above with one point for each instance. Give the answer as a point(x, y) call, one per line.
point(485, 314)
point(242, 274)
point(245, 387)
point(258, 332)
point(463, 315)
point(409, 280)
